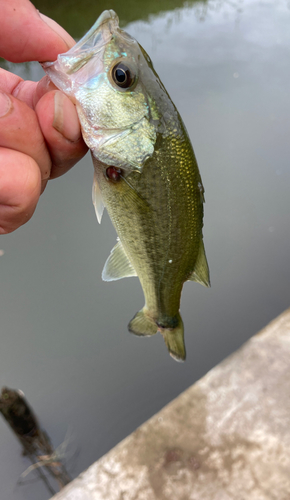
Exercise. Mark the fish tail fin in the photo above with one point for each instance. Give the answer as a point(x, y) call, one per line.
point(174, 340)
point(142, 324)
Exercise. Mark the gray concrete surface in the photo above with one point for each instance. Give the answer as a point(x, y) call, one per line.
point(225, 438)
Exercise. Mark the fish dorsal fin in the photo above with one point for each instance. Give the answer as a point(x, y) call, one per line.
point(201, 272)
point(97, 199)
point(117, 265)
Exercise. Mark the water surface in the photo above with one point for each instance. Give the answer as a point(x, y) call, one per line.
point(64, 338)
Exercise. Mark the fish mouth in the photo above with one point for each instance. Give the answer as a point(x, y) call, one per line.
point(87, 47)
point(75, 67)
point(107, 16)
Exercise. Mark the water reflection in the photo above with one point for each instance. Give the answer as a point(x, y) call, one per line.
point(77, 20)
point(64, 338)
point(27, 71)
point(35, 442)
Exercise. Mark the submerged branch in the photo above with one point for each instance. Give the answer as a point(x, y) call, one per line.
point(34, 440)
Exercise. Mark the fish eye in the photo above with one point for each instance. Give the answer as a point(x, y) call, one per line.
point(123, 76)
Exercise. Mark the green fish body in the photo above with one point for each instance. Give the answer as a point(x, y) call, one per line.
point(146, 173)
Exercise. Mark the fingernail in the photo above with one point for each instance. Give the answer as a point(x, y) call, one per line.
point(65, 118)
point(5, 104)
point(69, 41)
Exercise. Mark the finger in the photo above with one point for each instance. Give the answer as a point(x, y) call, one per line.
point(14, 85)
point(58, 29)
point(19, 189)
point(61, 128)
point(43, 86)
point(25, 90)
point(20, 131)
point(32, 37)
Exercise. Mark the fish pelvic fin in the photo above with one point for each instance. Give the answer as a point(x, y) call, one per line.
point(97, 199)
point(174, 339)
point(142, 324)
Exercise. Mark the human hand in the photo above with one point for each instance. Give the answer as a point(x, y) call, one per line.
point(40, 136)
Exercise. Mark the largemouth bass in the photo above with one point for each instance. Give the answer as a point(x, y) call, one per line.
point(146, 173)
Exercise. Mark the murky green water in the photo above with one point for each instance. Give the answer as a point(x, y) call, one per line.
point(64, 339)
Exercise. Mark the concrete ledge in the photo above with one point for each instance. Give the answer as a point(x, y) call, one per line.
point(225, 438)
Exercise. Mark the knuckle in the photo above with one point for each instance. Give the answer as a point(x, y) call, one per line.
point(19, 190)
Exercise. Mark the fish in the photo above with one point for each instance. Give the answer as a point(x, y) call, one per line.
point(145, 172)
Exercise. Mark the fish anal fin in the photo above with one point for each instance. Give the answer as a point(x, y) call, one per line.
point(117, 265)
point(200, 273)
point(142, 324)
point(97, 199)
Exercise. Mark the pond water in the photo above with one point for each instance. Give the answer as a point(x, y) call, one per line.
point(64, 338)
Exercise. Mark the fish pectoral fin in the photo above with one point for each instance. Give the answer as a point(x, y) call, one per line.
point(201, 272)
point(117, 265)
point(135, 198)
point(97, 199)
point(142, 325)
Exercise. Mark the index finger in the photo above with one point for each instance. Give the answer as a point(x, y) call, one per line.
point(27, 35)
